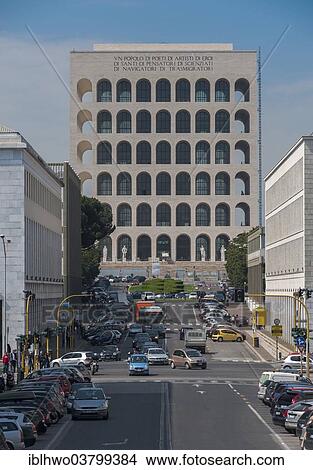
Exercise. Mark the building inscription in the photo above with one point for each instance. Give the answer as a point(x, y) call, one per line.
point(159, 63)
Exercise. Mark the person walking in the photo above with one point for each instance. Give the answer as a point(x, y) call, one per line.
point(47, 360)
point(13, 361)
point(6, 362)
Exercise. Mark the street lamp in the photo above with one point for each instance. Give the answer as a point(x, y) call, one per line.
point(4, 322)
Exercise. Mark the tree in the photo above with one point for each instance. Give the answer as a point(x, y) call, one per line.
point(236, 260)
point(96, 224)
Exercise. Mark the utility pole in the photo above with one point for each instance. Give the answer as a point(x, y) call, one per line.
point(4, 321)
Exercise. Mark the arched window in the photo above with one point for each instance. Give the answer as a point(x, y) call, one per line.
point(143, 153)
point(221, 240)
point(124, 184)
point(163, 247)
point(183, 248)
point(222, 184)
point(183, 186)
point(202, 184)
point(104, 91)
point(242, 180)
point(124, 241)
point(242, 92)
point(86, 183)
point(203, 215)
point(163, 153)
point(123, 122)
point(143, 247)
point(203, 242)
point(163, 184)
point(163, 90)
point(104, 122)
point(124, 215)
point(84, 90)
point(163, 122)
point(222, 90)
point(182, 90)
point(222, 153)
point(182, 121)
point(202, 121)
point(84, 152)
point(202, 152)
point(183, 215)
point(104, 153)
point(242, 214)
point(222, 215)
point(123, 91)
point(143, 184)
point(143, 91)
point(183, 153)
point(143, 215)
point(202, 90)
point(242, 152)
point(104, 184)
point(242, 119)
point(123, 153)
point(143, 122)
point(163, 215)
point(222, 121)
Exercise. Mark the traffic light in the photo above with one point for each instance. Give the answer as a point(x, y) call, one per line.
point(297, 332)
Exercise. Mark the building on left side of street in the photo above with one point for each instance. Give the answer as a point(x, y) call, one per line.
point(256, 261)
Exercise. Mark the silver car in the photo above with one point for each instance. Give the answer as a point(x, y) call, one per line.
point(294, 413)
point(13, 434)
point(157, 356)
point(90, 402)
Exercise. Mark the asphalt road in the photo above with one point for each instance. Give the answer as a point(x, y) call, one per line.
point(214, 408)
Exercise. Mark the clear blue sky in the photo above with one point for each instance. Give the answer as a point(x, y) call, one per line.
point(33, 100)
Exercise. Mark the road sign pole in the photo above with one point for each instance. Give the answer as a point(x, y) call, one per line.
point(277, 354)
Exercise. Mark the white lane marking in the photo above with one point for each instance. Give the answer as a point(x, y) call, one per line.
point(195, 315)
point(115, 443)
point(62, 429)
point(274, 434)
point(201, 391)
point(196, 385)
point(230, 385)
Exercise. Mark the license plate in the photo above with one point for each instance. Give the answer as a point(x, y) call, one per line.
point(277, 413)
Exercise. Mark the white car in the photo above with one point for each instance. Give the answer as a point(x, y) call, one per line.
point(157, 356)
point(193, 296)
point(73, 359)
point(148, 296)
point(293, 361)
point(13, 434)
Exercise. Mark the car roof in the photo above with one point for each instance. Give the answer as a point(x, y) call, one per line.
point(17, 395)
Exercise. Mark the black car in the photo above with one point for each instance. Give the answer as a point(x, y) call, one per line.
point(111, 352)
point(303, 420)
point(140, 338)
point(308, 436)
point(3, 442)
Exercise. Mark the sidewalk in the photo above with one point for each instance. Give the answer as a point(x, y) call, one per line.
point(268, 344)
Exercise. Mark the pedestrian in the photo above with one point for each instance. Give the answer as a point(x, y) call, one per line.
point(237, 319)
point(6, 362)
point(30, 362)
point(13, 360)
point(233, 319)
point(47, 361)
point(41, 359)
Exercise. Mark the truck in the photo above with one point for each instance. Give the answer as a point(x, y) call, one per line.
point(196, 339)
point(147, 312)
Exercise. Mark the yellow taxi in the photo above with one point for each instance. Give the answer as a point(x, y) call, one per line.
point(227, 334)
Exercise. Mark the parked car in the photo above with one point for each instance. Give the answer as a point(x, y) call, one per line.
point(302, 421)
point(13, 434)
point(73, 358)
point(110, 352)
point(189, 358)
point(90, 402)
point(293, 361)
point(225, 334)
point(294, 413)
point(134, 329)
point(84, 371)
point(307, 435)
point(148, 296)
point(28, 428)
point(138, 364)
point(157, 356)
point(3, 442)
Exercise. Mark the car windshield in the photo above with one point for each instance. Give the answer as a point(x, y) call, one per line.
point(193, 354)
point(78, 386)
point(156, 351)
point(88, 394)
point(138, 359)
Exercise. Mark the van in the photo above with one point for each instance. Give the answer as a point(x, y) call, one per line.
point(196, 339)
point(275, 377)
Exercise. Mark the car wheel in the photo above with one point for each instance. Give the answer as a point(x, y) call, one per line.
point(287, 367)
point(204, 366)
point(173, 365)
point(10, 446)
point(220, 339)
point(74, 418)
point(238, 340)
point(55, 364)
point(81, 363)
point(187, 365)
point(106, 416)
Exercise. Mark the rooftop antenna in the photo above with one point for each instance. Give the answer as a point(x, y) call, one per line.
point(259, 110)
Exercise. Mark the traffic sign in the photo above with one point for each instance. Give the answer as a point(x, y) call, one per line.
point(300, 341)
point(276, 321)
point(277, 330)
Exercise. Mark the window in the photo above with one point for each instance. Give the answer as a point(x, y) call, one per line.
point(104, 122)
point(202, 184)
point(222, 90)
point(242, 118)
point(222, 120)
point(124, 215)
point(143, 153)
point(183, 153)
point(242, 182)
point(222, 153)
point(202, 121)
point(163, 122)
point(143, 247)
point(221, 240)
point(124, 241)
point(143, 184)
point(163, 215)
point(163, 247)
point(203, 241)
point(163, 153)
point(203, 215)
point(183, 215)
point(123, 91)
point(143, 122)
point(163, 90)
point(104, 153)
point(183, 248)
point(143, 91)
point(183, 184)
point(222, 215)
point(242, 90)
point(143, 215)
point(242, 214)
point(104, 184)
point(182, 122)
point(123, 122)
point(123, 153)
point(163, 184)
point(242, 152)
point(104, 91)
point(222, 184)
point(182, 90)
point(123, 184)
point(202, 90)
point(202, 152)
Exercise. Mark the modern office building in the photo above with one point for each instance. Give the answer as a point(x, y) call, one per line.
point(166, 135)
point(289, 231)
point(31, 226)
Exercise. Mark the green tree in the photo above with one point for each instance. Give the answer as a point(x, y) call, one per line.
point(236, 260)
point(96, 224)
